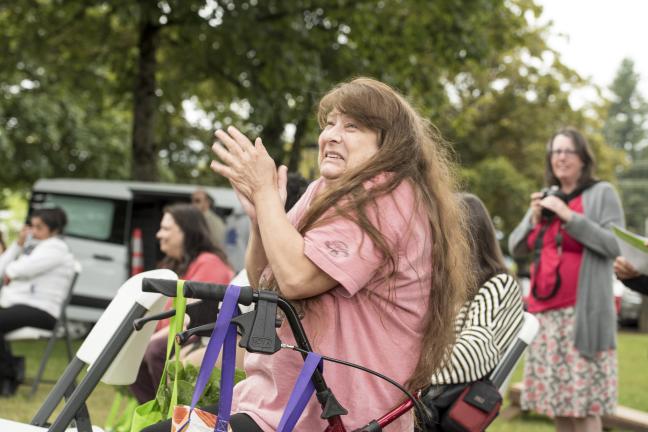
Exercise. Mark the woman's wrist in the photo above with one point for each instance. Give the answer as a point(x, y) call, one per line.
point(263, 192)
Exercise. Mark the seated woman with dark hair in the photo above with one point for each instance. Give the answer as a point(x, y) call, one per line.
point(36, 276)
point(489, 321)
point(189, 251)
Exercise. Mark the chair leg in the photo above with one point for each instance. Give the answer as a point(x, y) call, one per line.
point(43, 363)
point(68, 340)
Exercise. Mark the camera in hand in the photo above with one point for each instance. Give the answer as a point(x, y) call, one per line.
point(552, 191)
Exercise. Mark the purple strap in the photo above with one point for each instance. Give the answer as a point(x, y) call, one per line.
point(301, 394)
point(223, 335)
point(228, 366)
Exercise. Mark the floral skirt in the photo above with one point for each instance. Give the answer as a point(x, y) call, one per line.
point(558, 381)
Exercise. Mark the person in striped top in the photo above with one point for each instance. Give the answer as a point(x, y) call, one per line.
point(488, 322)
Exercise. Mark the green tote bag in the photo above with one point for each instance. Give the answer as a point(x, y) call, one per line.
point(161, 407)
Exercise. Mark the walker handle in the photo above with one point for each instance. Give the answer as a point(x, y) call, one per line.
point(208, 291)
point(166, 287)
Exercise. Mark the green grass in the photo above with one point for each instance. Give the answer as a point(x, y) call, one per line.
point(633, 382)
point(20, 408)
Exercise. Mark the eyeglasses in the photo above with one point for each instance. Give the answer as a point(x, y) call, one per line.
point(566, 152)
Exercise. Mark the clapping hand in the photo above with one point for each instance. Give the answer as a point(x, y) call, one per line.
point(248, 167)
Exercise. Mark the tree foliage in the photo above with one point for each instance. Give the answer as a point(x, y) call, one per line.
point(626, 126)
point(118, 89)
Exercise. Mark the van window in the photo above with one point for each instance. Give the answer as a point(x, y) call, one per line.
point(88, 217)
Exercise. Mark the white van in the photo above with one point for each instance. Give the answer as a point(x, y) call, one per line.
point(102, 215)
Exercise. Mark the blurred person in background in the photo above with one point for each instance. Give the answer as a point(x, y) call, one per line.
point(571, 368)
point(237, 233)
point(190, 253)
point(203, 202)
point(37, 270)
point(629, 275)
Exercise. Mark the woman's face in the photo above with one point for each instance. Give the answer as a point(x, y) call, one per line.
point(344, 144)
point(39, 230)
point(566, 165)
point(171, 237)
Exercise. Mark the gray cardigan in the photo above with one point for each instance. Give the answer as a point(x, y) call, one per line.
point(595, 315)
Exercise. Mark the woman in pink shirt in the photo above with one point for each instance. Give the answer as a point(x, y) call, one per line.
point(373, 254)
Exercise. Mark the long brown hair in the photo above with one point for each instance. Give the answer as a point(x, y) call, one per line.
point(488, 260)
point(197, 239)
point(411, 150)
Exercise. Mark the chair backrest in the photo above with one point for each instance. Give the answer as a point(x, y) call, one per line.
point(78, 268)
point(502, 372)
point(124, 367)
point(68, 296)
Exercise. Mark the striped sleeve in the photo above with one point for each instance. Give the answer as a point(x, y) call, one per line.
point(485, 328)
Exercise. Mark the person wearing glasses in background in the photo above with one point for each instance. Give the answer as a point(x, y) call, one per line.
point(201, 200)
point(571, 369)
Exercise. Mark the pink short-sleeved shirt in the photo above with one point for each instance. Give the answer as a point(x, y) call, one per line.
point(361, 320)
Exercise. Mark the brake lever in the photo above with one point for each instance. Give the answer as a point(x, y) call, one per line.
point(200, 313)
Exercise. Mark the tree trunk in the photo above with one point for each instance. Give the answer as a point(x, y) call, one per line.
point(271, 136)
point(144, 160)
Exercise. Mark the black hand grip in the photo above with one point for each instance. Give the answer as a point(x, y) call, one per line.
point(168, 287)
point(207, 291)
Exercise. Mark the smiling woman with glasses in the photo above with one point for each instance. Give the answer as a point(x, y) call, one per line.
point(570, 373)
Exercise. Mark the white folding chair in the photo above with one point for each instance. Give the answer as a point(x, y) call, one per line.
point(112, 352)
point(501, 375)
point(61, 326)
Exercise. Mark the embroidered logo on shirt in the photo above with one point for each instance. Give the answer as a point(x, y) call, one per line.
point(337, 248)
